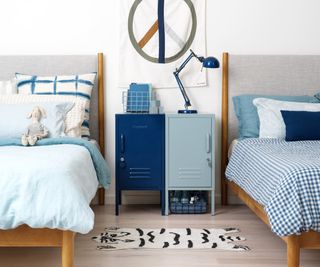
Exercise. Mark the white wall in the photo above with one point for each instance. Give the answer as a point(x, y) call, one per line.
point(90, 26)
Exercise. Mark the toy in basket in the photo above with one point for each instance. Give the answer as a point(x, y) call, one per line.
point(188, 202)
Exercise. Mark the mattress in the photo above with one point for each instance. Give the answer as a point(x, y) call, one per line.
point(282, 176)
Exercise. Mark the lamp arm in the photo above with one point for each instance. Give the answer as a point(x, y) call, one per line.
point(176, 75)
point(183, 91)
point(182, 66)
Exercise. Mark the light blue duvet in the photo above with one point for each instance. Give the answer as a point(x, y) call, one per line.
point(50, 185)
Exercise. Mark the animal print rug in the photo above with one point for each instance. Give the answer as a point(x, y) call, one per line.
point(183, 238)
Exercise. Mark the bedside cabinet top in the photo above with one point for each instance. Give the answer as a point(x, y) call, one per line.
point(197, 115)
point(168, 115)
point(139, 114)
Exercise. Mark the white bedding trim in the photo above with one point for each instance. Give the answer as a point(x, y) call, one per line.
point(8, 87)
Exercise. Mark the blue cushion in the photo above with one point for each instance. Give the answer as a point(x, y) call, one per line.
point(247, 113)
point(301, 125)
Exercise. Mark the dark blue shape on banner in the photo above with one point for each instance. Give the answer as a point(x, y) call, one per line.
point(161, 31)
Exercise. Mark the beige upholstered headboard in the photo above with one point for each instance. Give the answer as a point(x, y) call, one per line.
point(64, 64)
point(262, 74)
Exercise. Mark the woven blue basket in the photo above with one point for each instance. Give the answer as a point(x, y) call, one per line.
point(180, 202)
point(196, 208)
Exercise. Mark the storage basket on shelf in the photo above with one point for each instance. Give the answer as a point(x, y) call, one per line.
point(136, 102)
point(188, 202)
point(140, 98)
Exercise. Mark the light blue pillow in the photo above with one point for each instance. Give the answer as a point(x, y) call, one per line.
point(14, 121)
point(247, 113)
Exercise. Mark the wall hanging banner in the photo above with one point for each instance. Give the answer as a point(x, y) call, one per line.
point(156, 36)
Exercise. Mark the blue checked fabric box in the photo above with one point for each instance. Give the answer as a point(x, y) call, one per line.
point(178, 204)
point(138, 98)
point(196, 208)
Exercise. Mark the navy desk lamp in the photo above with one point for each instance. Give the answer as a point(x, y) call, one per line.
point(209, 62)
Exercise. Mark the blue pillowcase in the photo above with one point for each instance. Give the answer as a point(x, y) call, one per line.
point(247, 113)
point(301, 125)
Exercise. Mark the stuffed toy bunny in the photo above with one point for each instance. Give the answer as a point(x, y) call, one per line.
point(36, 130)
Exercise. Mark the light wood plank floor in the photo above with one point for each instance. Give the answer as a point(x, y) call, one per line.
point(267, 249)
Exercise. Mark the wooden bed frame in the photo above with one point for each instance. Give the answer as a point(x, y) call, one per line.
point(307, 240)
point(25, 236)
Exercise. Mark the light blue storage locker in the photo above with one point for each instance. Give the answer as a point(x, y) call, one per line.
point(190, 153)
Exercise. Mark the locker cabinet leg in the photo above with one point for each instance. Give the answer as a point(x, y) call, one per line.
point(162, 193)
point(117, 210)
point(166, 202)
point(118, 197)
point(212, 202)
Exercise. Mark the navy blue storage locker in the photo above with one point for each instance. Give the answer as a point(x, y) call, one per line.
point(140, 143)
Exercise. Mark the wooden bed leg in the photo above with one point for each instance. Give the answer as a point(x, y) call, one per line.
point(224, 192)
point(101, 196)
point(67, 248)
point(293, 251)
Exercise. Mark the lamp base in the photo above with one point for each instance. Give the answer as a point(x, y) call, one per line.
point(187, 111)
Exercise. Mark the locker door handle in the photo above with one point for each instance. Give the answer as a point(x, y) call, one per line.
point(122, 142)
point(208, 143)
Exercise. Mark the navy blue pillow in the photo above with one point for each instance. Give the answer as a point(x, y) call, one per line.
point(301, 125)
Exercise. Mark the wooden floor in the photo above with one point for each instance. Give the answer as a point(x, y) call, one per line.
point(267, 249)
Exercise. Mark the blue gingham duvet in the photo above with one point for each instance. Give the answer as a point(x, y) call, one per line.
point(282, 176)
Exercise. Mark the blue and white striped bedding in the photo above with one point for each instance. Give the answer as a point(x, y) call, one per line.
point(282, 176)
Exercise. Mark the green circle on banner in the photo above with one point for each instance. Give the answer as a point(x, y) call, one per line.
point(173, 58)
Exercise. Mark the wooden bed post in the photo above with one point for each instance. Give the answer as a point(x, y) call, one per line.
point(101, 117)
point(224, 128)
point(67, 248)
point(293, 251)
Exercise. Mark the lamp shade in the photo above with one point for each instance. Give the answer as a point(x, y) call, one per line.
point(211, 62)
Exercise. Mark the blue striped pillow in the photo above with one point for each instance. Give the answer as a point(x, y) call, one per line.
point(74, 85)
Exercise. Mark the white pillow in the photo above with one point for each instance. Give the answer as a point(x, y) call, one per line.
point(74, 118)
point(8, 87)
point(271, 121)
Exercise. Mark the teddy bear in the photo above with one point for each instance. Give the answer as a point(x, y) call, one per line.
point(36, 130)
